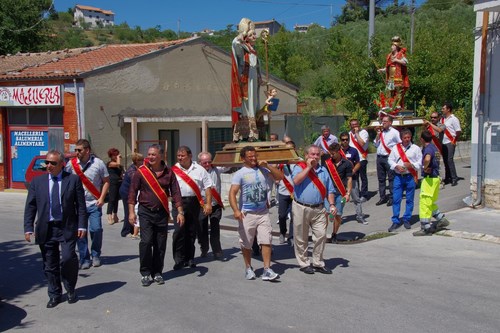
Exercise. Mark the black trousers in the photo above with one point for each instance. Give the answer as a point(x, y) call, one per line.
point(113, 198)
point(285, 208)
point(59, 264)
point(127, 228)
point(363, 179)
point(184, 236)
point(153, 244)
point(384, 172)
point(203, 230)
point(450, 172)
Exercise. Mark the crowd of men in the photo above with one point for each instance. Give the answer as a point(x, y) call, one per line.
point(68, 201)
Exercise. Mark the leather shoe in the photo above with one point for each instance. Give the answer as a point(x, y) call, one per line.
point(389, 202)
point(72, 297)
point(381, 202)
point(53, 301)
point(407, 224)
point(190, 263)
point(323, 270)
point(393, 227)
point(307, 270)
point(454, 183)
point(178, 266)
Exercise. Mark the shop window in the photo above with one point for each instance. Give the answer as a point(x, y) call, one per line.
point(18, 116)
point(56, 117)
point(217, 138)
point(37, 117)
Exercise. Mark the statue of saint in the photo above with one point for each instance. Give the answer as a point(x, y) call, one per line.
point(396, 71)
point(245, 82)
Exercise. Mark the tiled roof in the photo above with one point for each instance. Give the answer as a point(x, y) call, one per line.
point(74, 62)
point(95, 9)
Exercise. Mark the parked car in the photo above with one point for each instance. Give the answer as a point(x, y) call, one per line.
point(37, 167)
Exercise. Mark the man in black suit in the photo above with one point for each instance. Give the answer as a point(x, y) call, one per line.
point(58, 201)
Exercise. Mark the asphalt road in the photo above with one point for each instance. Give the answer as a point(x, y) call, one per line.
point(394, 284)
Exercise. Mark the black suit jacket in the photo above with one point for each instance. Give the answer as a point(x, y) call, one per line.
point(38, 204)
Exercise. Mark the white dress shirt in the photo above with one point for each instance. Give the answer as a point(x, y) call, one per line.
point(391, 138)
point(413, 153)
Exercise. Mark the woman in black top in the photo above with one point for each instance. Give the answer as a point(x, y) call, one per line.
point(115, 170)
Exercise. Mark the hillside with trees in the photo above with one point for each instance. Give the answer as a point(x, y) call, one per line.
point(332, 67)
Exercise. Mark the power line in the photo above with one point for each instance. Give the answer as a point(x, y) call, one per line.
point(31, 27)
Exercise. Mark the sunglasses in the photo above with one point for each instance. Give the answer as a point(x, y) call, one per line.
point(344, 139)
point(51, 162)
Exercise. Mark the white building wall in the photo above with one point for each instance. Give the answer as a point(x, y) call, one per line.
point(491, 110)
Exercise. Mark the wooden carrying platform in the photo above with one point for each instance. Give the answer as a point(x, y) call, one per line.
point(270, 151)
point(398, 122)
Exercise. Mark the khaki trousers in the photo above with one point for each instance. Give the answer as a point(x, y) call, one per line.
point(303, 219)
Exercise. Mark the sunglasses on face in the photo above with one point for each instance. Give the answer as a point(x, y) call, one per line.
point(51, 162)
point(344, 139)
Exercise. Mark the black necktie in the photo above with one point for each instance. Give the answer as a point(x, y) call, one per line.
point(55, 208)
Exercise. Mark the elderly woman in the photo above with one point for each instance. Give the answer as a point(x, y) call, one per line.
point(115, 170)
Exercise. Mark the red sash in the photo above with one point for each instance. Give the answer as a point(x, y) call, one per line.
point(86, 182)
point(216, 196)
point(404, 158)
point(314, 178)
point(287, 183)
point(448, 134)
point(383, 143)
point(325, 143)
point(185, 177)
point(356, 144)
point(335, 177)
point(155, 186)
point(435, 139)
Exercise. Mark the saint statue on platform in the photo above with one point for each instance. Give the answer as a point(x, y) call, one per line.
point(396, 72)
point(245, 82)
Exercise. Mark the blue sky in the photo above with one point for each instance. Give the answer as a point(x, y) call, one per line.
point(196, 15)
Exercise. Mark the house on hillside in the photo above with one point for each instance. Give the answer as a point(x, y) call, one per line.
point(93, 16)
point(125, 96)
point(485, 138)
point(272, 25)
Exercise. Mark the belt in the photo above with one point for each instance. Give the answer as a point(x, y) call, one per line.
point(382, 156)
point(309, 205)
point(428, 176)
point(403, 174)
point(190, 197)
point(154, 210)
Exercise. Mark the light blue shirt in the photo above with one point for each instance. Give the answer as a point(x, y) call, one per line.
point(306, 192)
point(254, 187)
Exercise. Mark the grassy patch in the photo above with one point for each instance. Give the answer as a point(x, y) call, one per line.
point(378, 235)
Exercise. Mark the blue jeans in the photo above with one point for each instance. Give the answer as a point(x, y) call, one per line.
point(402, 183)
point(94, 215)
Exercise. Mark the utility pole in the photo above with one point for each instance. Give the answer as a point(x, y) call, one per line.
point(412, 27)
point(371, 26)
point(179, 28)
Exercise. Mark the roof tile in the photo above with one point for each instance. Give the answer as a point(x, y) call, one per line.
point(74, 62)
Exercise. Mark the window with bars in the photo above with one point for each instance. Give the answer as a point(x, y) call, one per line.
point(218, 138)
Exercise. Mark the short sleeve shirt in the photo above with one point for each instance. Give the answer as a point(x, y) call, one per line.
point(95, 170)
point(431, 150)
point(254, 186)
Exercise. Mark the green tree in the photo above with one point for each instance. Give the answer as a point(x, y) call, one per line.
point(23, 25)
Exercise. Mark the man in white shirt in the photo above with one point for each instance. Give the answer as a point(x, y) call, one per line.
point(405, 160)
point(324, 141)
point(192, 179)
point(450, 138)
point(387, 137)
point(358, 139)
